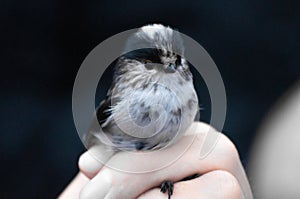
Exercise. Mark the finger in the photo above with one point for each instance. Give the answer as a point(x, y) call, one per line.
point(223, 156)
point(138, 183)
point(101, 184)
point(97, 187)
point(90, 165)
point(127, 185)
point(93, 160)
point(109, 183)
point(215, 184)
point(73, 189)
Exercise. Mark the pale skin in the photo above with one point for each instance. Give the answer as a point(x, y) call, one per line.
point(222, 174)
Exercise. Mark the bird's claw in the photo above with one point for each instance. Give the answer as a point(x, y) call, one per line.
point(167, 186)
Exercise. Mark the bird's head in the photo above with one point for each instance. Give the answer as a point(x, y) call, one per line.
point(158, 48)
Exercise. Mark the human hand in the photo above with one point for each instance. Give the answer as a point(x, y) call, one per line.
point(222, 174)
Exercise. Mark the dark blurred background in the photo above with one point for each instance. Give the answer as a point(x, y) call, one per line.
point(255, 44)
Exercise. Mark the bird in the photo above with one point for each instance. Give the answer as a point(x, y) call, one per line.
point(151, 101)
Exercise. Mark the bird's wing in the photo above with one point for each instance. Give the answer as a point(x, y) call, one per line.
point(101, 119)
point(103, 110)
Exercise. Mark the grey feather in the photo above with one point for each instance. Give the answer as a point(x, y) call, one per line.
point(129, 117)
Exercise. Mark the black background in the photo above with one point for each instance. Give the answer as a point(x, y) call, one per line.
point(255, 44)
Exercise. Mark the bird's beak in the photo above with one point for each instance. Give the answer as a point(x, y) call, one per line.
point(167, 68)
point(170, 68)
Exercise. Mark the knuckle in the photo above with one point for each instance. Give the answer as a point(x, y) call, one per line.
point(88, 165)
point(228, 185)
point(227, 148)
point(201, 127)
point(81, 162)
point(227, 144)
point(83, 167)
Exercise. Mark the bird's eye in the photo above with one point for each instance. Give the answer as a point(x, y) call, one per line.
point(178, 60)
point(148, 61)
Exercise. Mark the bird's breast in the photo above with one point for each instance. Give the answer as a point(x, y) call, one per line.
point(155, 113)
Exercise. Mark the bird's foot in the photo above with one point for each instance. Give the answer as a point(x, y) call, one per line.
point(167, 186)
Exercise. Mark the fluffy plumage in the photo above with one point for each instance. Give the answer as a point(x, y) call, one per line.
point(152, 100)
